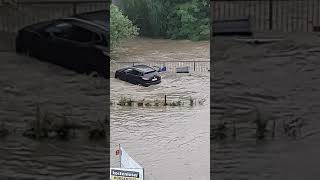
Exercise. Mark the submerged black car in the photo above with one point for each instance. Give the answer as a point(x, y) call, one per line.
point(140, 75)
point(80, 43)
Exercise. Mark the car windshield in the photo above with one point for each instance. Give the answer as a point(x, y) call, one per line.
point(151, 71)
point(145, 69)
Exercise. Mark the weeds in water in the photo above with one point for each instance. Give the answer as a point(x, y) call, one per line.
point(3, 130)
point(219, 131)
point(201, 101)
point(50, 125)
point(130, 102)
point(99, 132)
point(172, 104)
point(293, 128)
point(148, 104)
point(261, 126)
point(123, 101)
point(140, 103)
point(175, 103)
point(156, 102)
point(192, 101)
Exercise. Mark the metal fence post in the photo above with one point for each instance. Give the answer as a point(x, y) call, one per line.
point(74, 7)
point(270, 14)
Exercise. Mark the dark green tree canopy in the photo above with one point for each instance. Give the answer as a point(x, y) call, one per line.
point(175, 19)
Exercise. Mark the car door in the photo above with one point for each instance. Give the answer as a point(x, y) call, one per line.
point(134, 76)
point(126, 76)
point(73, 47)
point(100, 60)
point(48, 46)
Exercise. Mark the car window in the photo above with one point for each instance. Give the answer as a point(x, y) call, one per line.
point(127, 70)
point(102, 41)
point(59, 28)
point(72, 32)
point(136, 73)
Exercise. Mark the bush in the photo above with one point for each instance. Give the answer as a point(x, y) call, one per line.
point(121, 28)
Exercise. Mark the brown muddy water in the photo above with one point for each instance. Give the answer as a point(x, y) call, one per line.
point(281, 81)
point(169, 142)
point(24, 82)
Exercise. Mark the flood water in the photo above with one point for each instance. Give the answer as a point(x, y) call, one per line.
point(169, 142)
point(281, 81)
point(26, 82)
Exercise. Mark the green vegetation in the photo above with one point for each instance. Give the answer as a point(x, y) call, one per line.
point(128, 102)
point(176, 19)
point(48, 125)
point(121, 28)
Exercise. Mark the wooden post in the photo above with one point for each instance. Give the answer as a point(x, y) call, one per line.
point(274, 128)
point(234, 134)
point(194, 66)
point(165, 100)
point(120, 155)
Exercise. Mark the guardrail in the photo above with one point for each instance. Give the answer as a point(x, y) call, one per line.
point(195, 66)
point(14, 16)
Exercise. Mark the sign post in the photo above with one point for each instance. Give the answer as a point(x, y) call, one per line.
point(129, 168)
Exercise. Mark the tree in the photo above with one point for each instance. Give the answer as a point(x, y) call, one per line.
point(175, 19)
point(121, 28)
point(190, 20)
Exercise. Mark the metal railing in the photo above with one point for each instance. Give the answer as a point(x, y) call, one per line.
point(171, 66)
point(271, 15)
point(14, 16)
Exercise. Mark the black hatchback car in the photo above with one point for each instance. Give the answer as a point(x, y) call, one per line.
point(80, 43)
point(139, 74)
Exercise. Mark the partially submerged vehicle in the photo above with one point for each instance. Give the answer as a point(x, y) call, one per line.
point(139, 75)
point(80, 43)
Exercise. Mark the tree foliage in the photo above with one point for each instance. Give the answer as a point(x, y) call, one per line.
point(121, 28)
point(176, 19)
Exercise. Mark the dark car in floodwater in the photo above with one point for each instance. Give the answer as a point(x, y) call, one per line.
point(80, 43)
point(139, 75)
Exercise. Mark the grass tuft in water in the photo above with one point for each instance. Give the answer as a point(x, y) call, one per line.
point(219, 131)
point(140, 103)
point(261, 126)
point(50, 125)
point(192, 101)
point(98, 132)
point(123, 101)
point(4, 132)
point(148, 104)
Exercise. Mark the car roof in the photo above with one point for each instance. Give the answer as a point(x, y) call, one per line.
point(144, 68)
point(102, 26)
point(99, 17)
